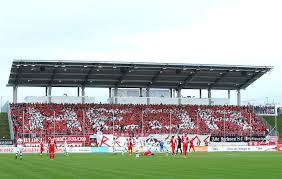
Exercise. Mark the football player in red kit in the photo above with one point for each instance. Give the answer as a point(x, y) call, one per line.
point(172, 143)
point(148, 153)
point(192, 145)
point(130, 146)
point(41, 148)
point(185, 141)
point(52, 146)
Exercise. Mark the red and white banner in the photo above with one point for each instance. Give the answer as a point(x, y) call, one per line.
point(70, 139)
point(263, 143)
point(270, 140)
point(152, 140)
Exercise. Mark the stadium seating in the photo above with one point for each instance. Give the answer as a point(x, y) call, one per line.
point(76, 119)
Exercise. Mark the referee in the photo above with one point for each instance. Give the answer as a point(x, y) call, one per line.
point(179, 142)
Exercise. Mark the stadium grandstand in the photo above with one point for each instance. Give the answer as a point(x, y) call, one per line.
point(135, 113)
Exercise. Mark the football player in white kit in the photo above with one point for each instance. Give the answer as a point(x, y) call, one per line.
point(19, 148)
point(66, 148)
point(125, 146)
point(138, 144)
point(167, 145)
point(114, 145)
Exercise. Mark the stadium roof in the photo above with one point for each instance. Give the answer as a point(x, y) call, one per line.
point(106, 74)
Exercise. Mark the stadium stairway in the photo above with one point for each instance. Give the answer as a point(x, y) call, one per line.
point(4, 126)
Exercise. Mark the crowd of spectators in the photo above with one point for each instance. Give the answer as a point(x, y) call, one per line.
point(78, 119)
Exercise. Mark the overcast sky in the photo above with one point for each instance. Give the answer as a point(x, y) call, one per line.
point(247, 32)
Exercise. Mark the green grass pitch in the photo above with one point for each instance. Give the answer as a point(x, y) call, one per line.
point(265, 165)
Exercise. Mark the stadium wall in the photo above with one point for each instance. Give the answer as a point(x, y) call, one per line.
point(59, 99)
point(168, 101)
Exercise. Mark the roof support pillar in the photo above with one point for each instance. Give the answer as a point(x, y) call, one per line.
point(179, 96)
point(46, 91)
point(140, 92)
point(209, 96)
point(78, 91)
point(115, 95)
point(229, 94)
point(170, 92)
point(200, 91)
point(148, 95)
point(15, 94)
point(239, 97)
point(83, 94)
point(49, 94)
point(110, 92)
